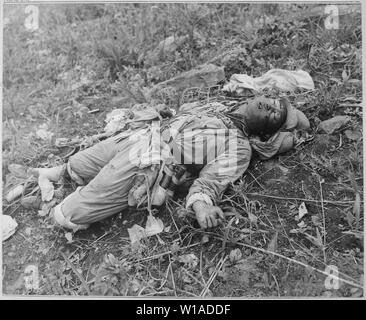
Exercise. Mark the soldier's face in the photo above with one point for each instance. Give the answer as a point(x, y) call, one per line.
point(270, 109)
point(261, 112)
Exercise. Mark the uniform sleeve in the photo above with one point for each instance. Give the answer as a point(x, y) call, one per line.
point(220, 172)
point(278, 143)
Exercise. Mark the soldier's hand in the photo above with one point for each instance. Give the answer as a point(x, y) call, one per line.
point(208, 216)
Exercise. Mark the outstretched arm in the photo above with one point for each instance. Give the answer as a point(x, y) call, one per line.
point(214, 179)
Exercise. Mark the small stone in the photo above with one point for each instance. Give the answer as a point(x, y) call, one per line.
point(353, 134)
point(329, 126)
point(205, 239)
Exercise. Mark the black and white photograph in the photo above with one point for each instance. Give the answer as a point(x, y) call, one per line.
point(170, 150)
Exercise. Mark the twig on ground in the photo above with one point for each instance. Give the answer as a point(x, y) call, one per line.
point(345, 202)
point(93, 111)
point(165, 253)
point(101, 237)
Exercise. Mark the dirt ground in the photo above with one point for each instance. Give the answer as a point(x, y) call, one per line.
point(263, 249)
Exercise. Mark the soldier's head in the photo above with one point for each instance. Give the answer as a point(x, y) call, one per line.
point(265, 116)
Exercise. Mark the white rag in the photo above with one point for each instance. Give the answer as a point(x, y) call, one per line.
point(285, 80)
point(8, 226)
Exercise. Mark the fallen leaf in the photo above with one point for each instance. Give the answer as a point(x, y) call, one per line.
point(211, 270)
point(189, 260)
point(31, 278)
point(68, 236)
point(41, 213)
point(136, 233)
point(174, 247)
point(283, 169)
point(302, 210)
point(353, 134)
point(110, 260)
point(205, 239)
point(345, 76)
point(252, 218)
point(15, 193)
point(185, 278)
point(316, 220)
point(153, 226)
point(8, 226)
point(318, 241)
point(135, 285)
point(222, 275)
point(182, 213)
point(235, 255)
point(302, 156)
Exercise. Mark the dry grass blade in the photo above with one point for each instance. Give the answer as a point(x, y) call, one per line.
point(227, 230)
point(172, 275)
point(77, 273)
point(213, 276)
point(357, 210)
point(345, 202)
point(324, 228)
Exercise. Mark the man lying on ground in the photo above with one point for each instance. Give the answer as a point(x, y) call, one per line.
point(143, 165)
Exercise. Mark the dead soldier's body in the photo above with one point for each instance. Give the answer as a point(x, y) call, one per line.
point(146, 162)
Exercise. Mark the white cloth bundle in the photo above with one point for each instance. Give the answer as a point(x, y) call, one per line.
point(275, 78)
